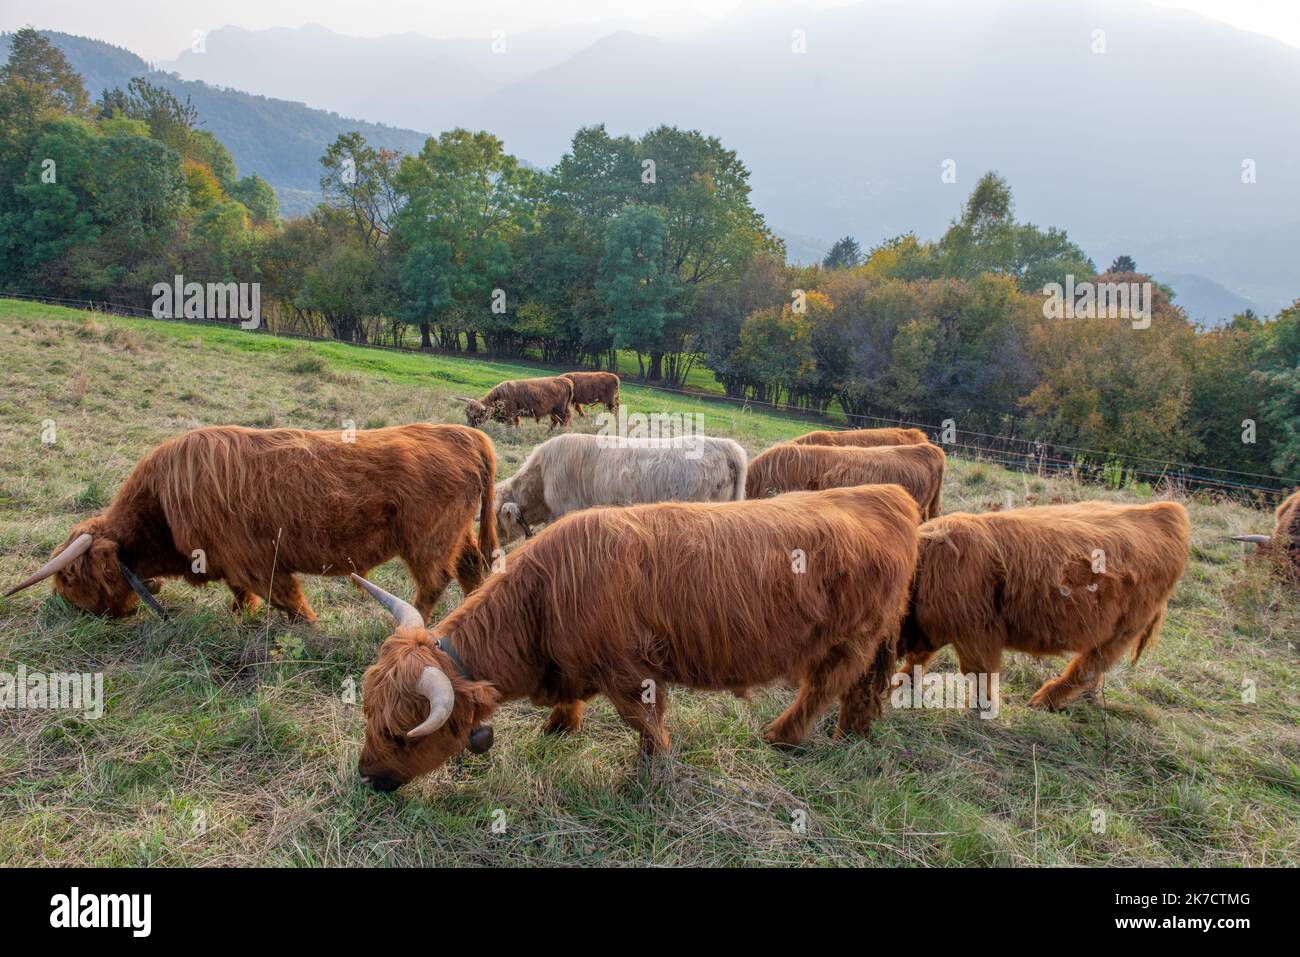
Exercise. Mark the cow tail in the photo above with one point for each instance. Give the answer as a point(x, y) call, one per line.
point(739, 467)
point(487, 518)
point(1150, 634)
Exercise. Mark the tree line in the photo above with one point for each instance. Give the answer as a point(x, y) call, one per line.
point(642, 249)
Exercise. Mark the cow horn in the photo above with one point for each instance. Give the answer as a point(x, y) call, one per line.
point(406, 615)
point(1257, 539)
point(144, 591)
point(435, 686)
point(80, 545)
point(464, 398)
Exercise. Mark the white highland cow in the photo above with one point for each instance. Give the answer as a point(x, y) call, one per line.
point(577, 471)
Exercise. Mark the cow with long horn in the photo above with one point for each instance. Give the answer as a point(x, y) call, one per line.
point(254, 508)
point(625, 602)
point(1283, 546)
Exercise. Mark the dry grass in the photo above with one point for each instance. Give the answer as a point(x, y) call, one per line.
point(231, 743)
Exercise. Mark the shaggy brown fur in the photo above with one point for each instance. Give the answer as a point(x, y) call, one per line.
point(789, 468)
point(1032, 579)
point(264, 505)
point(1283, 546)
point(863, 438)
point(592, 387)
point(717, 596)
point(546, 396)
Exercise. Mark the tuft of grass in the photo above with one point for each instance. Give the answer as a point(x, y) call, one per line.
point(229, 741)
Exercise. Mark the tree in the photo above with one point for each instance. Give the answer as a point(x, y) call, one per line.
point(987, 239)
point(258, 198)
point(635, 280)
point(170, 121)
point(845, 254)
point(362, 181)
point(1123, 264)
point(1278, 370)
point(36, 83)
point(465, 200)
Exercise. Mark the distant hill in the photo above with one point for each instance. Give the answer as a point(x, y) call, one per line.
point(1137, 149)
point(1204, 300)
point(279, 140)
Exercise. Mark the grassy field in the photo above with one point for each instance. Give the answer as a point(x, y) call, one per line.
point(230, 742)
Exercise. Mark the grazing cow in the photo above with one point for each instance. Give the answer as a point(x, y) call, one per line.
point(577, 471)
point(592, 387)
point(1091, 578)
point(1284, 544)
point(791, 468)
point(863, 438)
point(615, 601)
point(546, 396)
point(254, 507)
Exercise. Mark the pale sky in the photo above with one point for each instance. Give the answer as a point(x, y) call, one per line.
point(160, 29)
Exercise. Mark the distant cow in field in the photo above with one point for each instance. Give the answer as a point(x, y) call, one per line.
point(726, 596)
point(254, 508)
point(592, 387)
point(1283, 546)
point(1091, 578)
point(792, 468)
point(577, 471)
point(544, 397)
point(863, 438)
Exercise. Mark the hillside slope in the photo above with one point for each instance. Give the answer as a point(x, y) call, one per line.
point(251, 728)
point(279, 140)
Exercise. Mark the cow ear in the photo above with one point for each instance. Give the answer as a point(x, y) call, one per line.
point(483, 698)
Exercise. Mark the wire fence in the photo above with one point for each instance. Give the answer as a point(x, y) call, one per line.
point(1014, 452)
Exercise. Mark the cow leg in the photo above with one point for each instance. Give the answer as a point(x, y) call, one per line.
point(829, 678)
point(982, 659)
point(1083, 674)
point(647, 719)
point(918, 659)
point(863, 703)
point(286, 594)
point(565, 718)
point(244, 601)
point(469, 564)
point(580, 410)
point(430, 582)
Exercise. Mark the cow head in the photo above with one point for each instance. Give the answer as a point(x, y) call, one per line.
point(419, 712)
point(88, 574)
point(476, 412)
point(510, 523)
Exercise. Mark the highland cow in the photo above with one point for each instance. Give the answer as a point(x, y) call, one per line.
point(254, 508)
point(808, 587)
point(792, 468)
point(1283, 546)
point(1092, 578)
point(577, 471)
point(592, 387)
point(863, 438)
point(544, 397)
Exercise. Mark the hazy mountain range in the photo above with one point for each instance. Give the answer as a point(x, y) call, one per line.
point(1137, 149)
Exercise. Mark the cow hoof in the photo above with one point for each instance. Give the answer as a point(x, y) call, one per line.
point(783, 740)
point(1046, 701)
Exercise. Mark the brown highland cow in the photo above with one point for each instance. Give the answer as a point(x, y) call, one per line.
point(808, 587)
point(791, 468)
point(544, 397)
point(592, 387)
point(254, 508)
point(863, 438)
point(1091, 578)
